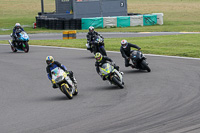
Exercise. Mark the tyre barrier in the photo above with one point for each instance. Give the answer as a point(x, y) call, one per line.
point(58, 23)
point(69, 34)
point(72, 34)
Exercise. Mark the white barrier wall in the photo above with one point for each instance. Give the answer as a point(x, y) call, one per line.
point(159, 18)
point(136, 20)
point(109, 21)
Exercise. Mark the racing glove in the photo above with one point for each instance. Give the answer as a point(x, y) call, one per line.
point(113, 63)
point(53, 81)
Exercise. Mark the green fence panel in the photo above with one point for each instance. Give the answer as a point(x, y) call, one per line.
point(95, 22)
point(149, 20)
point(123, 21)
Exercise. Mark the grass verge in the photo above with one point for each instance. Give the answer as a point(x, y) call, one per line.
point(186, 45)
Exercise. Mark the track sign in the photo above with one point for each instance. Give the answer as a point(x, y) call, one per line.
point(121, 4)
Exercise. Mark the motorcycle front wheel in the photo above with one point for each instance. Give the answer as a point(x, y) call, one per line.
point(65, 90)
point(117, 82)
point(25, 47)
point(103, 51)
point(145, 66)
point(13, 49)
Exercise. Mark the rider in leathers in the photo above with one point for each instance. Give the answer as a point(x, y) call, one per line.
point(90, 37)
point(51, 64)
point(100, 60)
point(16, 30)
point(125, 50)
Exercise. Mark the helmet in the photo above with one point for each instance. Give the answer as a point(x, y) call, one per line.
point(91, 29)
point(98, 56)
point(49, 60)
point(124, 43)
point(17, 25)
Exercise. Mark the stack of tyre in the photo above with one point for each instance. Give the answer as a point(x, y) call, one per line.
point(58, 23)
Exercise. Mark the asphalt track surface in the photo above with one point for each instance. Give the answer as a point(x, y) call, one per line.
point(54, 36)
point(165, 100)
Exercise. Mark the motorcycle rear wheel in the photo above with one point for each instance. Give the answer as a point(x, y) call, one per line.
point(66, 91)
point(13, 49)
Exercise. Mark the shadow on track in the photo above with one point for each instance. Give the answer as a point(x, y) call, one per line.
point(107, 88)
point(134, 71)
point(10, 52)
point(55, 98)
point(87, 57)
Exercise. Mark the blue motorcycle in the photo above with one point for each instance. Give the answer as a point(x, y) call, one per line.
point(21, 43)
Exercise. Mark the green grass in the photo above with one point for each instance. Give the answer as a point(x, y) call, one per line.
point(186, 45)
point(179, 15)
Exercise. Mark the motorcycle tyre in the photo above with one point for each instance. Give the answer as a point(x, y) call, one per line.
point(115, 80)
point(66, 91)
point(26, 48)
point(13, 49)
point(76, 92)
point(145, 66)
point(103, 51)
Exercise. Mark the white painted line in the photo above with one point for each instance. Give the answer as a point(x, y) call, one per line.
point(177, 57)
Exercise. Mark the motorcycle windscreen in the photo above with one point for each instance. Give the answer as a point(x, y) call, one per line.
point(136, 55)
point(106, 69)
point(24, 36)
point(57, 74)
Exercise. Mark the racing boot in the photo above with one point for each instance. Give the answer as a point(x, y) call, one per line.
point(133, 66)
point(54, 86)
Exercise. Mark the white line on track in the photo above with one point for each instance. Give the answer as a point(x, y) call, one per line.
point(177, 57)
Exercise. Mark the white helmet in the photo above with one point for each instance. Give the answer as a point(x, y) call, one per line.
point(17, 24)
point(91, 29)
point(124, 43)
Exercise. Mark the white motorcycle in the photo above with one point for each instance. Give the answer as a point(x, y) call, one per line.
point(64, 82)
point(112, 75)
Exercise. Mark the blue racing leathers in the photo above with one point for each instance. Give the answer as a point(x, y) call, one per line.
point(52, 66)
point(17, 31)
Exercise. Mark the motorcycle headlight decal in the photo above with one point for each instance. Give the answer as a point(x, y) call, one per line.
point(65, 75)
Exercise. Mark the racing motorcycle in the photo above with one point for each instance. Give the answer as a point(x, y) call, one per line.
point(21, 42)
point(112, 75)
point(139, 60)
point(98, 45)
point(64, 83)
